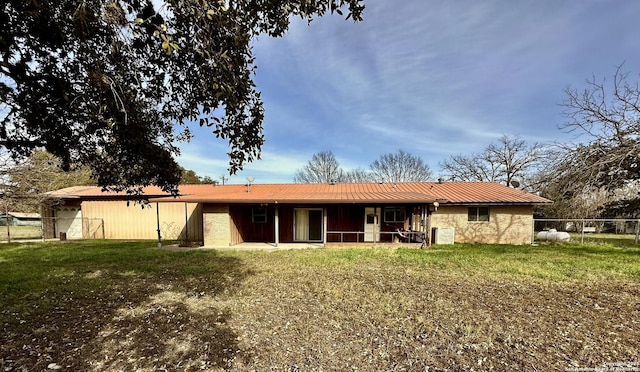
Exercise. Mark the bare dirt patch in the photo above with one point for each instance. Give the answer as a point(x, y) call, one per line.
point(385, 319)
point(169, 331)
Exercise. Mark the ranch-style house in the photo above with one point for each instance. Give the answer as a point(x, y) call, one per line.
point(325, 214)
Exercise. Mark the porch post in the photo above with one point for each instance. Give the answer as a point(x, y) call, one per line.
point(376, 222)
point(428, 225)
point(276, 223)
point(324, 226)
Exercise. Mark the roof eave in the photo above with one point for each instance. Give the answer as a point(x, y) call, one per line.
point(291, 201)
point(504, 203)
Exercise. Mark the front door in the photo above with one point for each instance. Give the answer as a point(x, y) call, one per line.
point(307, 224)
point(371, 224)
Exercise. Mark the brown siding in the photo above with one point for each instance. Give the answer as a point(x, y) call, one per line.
point(345, 218)
point(236, 237)
point(122, 221)
point(507, 224)
point(249, 231)
point(285, 214)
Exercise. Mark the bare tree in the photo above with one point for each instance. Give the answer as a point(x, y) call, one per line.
point(571, 200)
point(625, 202)
point(358, 175)
point(509, 159)
point(322, 168)
point(6, 189)
point(475, 167)
point(598, 176)
point(609, 118)
point(400, 167)
point(41, 172)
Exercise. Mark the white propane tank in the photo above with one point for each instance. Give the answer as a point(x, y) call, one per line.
point(554, 236)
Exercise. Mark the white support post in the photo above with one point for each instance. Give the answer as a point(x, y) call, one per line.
point(276, 224)
point(325, 223)
point(428, 225)
point(376, 223)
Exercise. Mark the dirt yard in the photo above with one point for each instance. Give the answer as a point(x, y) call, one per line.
point(302, 311)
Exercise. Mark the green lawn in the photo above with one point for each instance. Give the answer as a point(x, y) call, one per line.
point(620, 240)
point(106, 305)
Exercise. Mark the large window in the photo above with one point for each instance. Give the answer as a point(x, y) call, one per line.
point(259, 215)
point(478, 214)
point(394, 214)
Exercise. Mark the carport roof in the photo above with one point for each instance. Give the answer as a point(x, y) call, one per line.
point(340, 193)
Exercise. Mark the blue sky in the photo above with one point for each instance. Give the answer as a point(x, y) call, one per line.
point(435, 78)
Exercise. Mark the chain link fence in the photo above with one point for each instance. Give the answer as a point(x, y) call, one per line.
point(55, 228)
point(590, 230)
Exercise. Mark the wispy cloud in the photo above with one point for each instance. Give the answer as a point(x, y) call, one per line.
point(434, 78)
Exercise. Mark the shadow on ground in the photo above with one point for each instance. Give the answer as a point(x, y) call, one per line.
point(158, 310)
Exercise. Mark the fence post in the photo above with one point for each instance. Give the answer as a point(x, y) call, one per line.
point(42, 227)
point(6, 219)
point(582, 233)
point(637, 231)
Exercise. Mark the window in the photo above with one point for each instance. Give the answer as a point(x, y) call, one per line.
point(394, 214)
point(371, 219)
point(479, 214)
point(259, 215)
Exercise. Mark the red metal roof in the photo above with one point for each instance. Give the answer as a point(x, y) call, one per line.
point(359, 193)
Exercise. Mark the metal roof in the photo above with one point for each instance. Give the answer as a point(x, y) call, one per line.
point(357, 193)
point(21, 215)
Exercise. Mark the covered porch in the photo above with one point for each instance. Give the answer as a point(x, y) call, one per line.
point(277, 225)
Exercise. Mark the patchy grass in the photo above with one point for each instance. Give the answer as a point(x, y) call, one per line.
point(618, 240)
point(104, 305)
point(20, 232)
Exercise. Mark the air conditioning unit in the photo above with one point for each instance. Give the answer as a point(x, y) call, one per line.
point(443, 235)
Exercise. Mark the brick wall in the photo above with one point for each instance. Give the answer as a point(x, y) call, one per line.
point(507, 224)
point(217, 225)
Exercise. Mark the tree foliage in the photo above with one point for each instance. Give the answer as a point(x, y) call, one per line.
point(103, 83)
point(509, 159)
point(26, 182)
point(190, 177)
point(400, 167)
